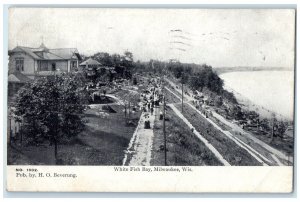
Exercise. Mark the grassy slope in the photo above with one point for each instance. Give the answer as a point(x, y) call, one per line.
point(234, 154)
point(183, 147)
point(170, 98)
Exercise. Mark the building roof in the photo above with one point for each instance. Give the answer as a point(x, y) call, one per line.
point(66, 53)
point(26, 50)
point(90, 61)
point(51, 56)
point(43, 53)
point(18, 77)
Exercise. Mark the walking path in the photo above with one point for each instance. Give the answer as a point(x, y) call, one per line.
point(207, 144)
point(139, 149)
point(277, 160)
point(172, 92)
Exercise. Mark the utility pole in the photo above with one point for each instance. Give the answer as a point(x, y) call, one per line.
point(164, 131)
point(129, 110)
point(272, 130)
point(10, 130)
point(164, 118)
point(182, 94)
point(125, 109)
point(273, 124)
point(20, 131)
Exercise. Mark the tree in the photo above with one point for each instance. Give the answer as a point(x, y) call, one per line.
point(128, 57)
point(218, 101)
point(194, 82)
point(178, 70)
point(127, 64)
point(265, 124)
point(281, 128)
point(229, 96)
point(116, 60)
point(104, 58)
point(236, 112)
point(50, 109)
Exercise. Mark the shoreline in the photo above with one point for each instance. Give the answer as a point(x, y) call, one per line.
point(248, 104)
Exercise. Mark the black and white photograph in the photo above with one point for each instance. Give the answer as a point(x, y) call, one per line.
point(150, 99)
point(150, 87)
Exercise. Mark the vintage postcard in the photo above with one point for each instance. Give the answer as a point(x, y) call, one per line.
point(150, 100)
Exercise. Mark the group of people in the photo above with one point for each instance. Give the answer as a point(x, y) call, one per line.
point(149, 100)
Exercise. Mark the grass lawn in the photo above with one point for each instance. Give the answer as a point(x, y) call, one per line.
point(108, 136)
point(183, 147)
point(234, 154)
point(103, 141)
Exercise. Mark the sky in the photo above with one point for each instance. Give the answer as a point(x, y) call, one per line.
point(220, 38)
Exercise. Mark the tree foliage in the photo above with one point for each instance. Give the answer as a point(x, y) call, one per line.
point(123, 64)
point(50, 108)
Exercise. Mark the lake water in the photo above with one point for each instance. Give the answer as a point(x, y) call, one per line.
point(273, 90)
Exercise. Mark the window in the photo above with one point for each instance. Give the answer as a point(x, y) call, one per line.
point(53, 67)
point(20, 64)
point(73, 64)
point(42, 65)
point(39, 65)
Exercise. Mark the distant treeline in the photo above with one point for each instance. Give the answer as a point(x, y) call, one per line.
point(221, 70)
point(197, 77)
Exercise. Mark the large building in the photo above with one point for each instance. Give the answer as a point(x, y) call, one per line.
point(42, 61)
point(26, 63)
